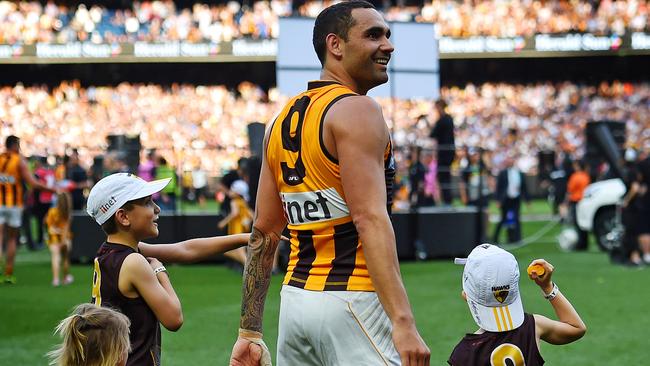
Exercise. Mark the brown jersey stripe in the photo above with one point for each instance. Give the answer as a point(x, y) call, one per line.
point(320, 127)
point(346, 240)
point(306, 257)
point(14, 195)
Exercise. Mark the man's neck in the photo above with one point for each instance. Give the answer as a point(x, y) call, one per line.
point(342, 78)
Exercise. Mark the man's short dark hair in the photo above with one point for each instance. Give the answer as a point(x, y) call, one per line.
point(335, 19)
point(11, 141)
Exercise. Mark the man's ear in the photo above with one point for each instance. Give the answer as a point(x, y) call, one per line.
point(122, 218)
point(463, 295)
point(334, 45)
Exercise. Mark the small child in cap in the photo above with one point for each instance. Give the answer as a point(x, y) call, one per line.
point(128, 274)
point(491, 289)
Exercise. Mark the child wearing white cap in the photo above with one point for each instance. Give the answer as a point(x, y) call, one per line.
point(506, 332)
point(128, 274)
point(239, 219)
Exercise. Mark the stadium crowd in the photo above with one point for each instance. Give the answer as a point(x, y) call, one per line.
point(156, 21)
point(207, 125)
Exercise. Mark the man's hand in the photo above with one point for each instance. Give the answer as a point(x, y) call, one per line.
point(247, 353)
point(410, 346)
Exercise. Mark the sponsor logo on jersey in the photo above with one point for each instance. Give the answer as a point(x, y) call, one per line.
point(314, 206)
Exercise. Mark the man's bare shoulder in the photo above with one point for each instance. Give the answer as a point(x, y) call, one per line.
point(355, 104)
point(360, 110)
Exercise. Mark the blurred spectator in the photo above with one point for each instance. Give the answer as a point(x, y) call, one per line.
point(559, 179)
point(631, 211)
point(14, 174)
point(59, 239)
point(417, 171)
point(443, 133)
point(644, 217)
point(228, 179)
point(239, 218)
point(431, 191)
point(147, 168)
point(200, 185)
point(167, 198)
point(475, 182)
point(511, 190)
point(43, 199)
point(78, 176)
point(28, 210)
point(578, 182)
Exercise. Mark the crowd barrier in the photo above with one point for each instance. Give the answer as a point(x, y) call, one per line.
point(432, 232)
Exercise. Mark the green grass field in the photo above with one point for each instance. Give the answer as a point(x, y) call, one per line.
point(612, 300)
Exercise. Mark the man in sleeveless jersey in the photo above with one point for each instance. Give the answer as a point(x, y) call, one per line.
point(128, 274)
point(327, 175)
point(14, 173)
point(506, 332)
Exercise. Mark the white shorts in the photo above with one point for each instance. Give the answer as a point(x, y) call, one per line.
point(12, 216)
point(333, 328)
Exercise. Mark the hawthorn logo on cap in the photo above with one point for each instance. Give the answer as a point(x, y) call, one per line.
point(501, 293)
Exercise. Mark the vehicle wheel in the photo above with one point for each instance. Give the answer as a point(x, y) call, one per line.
point(608, 229)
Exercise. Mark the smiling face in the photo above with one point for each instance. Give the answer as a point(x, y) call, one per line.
point(143, 218)
point(367, 51)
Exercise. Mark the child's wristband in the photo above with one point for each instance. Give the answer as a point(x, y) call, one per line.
point(551, 295)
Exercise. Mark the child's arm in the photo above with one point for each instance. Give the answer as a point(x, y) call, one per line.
point(570, 327)
point(150, 280)
point(194, 249)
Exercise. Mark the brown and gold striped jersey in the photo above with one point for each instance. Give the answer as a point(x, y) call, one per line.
point(517, 347)
point(11, 180)
point(326, 253)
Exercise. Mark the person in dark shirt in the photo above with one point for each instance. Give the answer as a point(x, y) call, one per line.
point(126, 276)
point(491, 289)
point(443, 133)
point(226, 182)
point(76, 174)
point(417, 171)
point(644, 207)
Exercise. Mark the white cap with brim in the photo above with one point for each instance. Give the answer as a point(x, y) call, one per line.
point(241, 188)
point(491, 284)
point(113, 191)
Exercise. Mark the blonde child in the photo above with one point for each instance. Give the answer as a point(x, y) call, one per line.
point(92, 336)
point(59, 242)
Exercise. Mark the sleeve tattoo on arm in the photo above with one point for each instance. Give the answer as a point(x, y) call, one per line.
point(257, 276)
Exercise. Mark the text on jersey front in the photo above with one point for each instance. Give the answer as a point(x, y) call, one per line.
point(313, 206)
